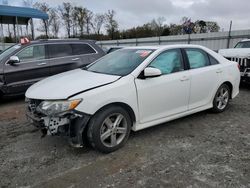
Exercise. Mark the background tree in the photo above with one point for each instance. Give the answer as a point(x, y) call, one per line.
point(66, 13)
point(98, 23)
point(88, 19)
point(80, 14)
point(111, 24)
point(54, 22)
point(212, 26)
point(157, 25)
point(44, 7)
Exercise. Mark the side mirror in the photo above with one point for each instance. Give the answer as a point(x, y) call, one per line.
point(151, 72)
point(13, 60)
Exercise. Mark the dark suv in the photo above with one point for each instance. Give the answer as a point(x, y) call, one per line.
point(24, 64)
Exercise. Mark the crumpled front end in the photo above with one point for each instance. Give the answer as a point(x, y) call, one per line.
point(70, 124)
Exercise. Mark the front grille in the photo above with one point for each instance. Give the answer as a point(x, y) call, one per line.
point(243, 62)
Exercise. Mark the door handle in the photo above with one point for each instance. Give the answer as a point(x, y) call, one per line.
point(184, 78)
point(219, 71)
point(75, 59)
point(41, 64)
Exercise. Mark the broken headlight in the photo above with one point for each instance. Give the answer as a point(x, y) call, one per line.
point(51, 108)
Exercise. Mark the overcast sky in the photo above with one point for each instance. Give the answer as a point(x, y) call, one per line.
point(137, 12)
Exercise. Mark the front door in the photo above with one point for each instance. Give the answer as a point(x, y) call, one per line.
point(33, 66)
point(167, 94)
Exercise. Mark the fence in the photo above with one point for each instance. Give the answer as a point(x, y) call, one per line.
point(214, 41)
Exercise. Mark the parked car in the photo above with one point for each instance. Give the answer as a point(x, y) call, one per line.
point(24, 64)
point(241, 54)
point(131, 89)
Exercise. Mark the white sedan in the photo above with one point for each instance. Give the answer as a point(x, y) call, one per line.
point(131, 89)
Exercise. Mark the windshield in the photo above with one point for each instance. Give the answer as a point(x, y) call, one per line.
point(8, 51)
point(245, 44)
point(121, 62)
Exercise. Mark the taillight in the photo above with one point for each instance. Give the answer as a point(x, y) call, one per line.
point(238, 66)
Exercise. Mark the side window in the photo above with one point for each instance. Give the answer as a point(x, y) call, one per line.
point(79, 49)
point(168, 62)
point(59, 50)
point(32, 53)
point(213, 61)
point(197, 58)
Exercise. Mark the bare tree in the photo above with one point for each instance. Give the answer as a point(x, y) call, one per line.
point(111, 23)
point(80, 14)
point(98, 23)
point(88, 19)
point(66, 13)
point(54, 21)
point(44, 7)
point(74, 15)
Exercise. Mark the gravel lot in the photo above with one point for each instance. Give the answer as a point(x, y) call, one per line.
point(202, 150)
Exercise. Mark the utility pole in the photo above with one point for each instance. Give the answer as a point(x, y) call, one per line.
point(229, 34)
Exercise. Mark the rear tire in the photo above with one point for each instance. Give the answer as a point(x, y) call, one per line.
point(109, 129)
point(221, 99)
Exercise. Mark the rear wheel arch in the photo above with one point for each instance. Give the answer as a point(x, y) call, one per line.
point(230, 85)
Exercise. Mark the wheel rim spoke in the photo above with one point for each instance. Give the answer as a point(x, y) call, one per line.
point(222, 98)
point(108, 122)
point(121, 130)
point(225, 94)
point(105, 135)
point(118, 120)
point(113, 140)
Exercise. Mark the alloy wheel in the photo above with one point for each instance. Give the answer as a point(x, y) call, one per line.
point(113, 130)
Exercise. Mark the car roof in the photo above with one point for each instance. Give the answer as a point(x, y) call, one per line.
point(159, 47)
point(60, 41)
point(245, 40)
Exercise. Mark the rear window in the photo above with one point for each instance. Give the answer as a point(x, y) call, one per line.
point(79, 49)
point(59, 50)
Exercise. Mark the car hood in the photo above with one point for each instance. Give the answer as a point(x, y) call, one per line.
point(64, 85)
point(235, 52)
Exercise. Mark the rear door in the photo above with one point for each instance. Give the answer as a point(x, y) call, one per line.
point(205, 74)
point(69, 56)
point(61, 58)
point(86, 53)
point(33, 67)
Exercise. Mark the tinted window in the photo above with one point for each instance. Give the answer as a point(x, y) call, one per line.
point(32, 53)
point(168, 62)
point(60, 50)
point(245, 44)
point(121, 62)
point(197, 58)
point(79, 49)
point(213, 61)
point(8, 51)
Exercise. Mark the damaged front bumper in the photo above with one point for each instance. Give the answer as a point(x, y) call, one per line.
point(71, 125)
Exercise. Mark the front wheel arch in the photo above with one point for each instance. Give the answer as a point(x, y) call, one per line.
point(124, 106)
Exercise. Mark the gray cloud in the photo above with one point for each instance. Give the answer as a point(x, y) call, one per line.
point(137, 12)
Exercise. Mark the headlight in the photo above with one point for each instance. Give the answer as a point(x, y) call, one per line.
point(56, 107)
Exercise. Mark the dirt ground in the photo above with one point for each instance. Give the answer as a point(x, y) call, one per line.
point(201, 150)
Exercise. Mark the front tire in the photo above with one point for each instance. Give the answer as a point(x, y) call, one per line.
point(221, 99)
point(109, 129)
